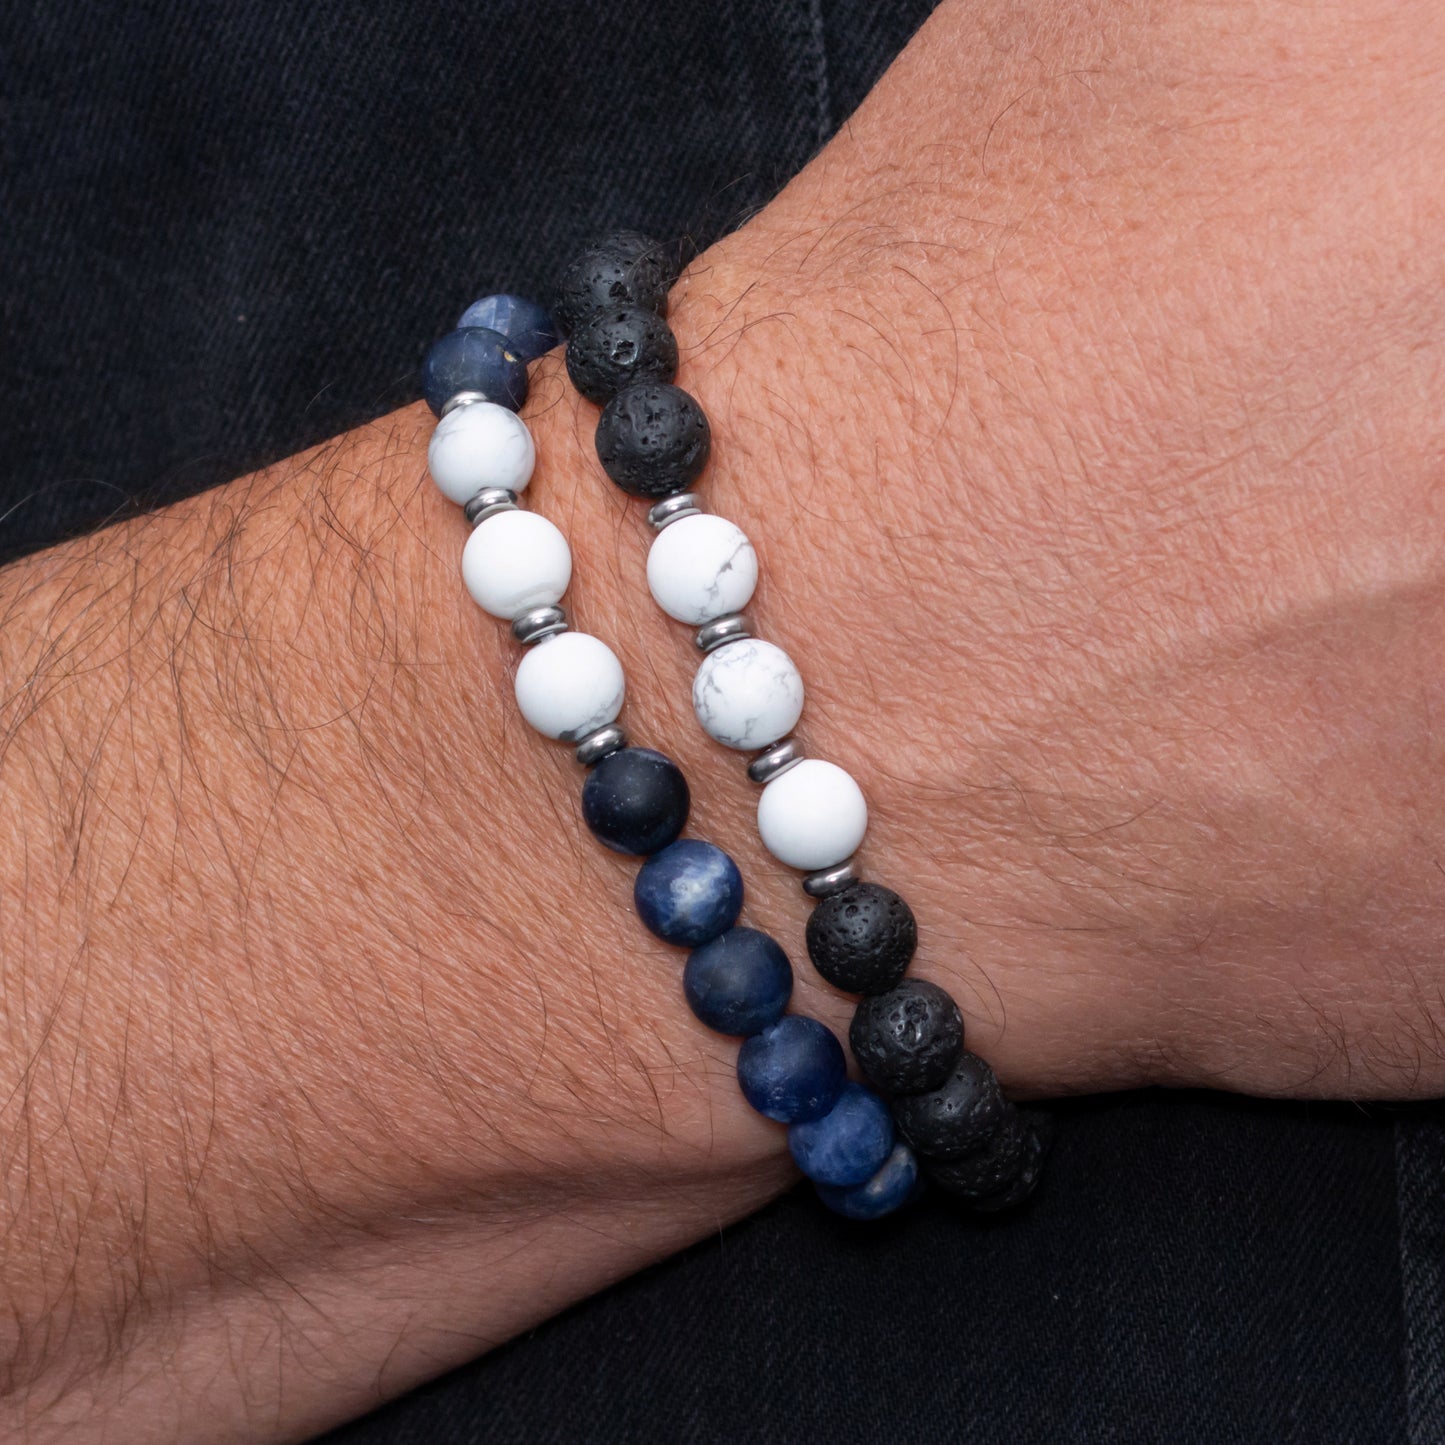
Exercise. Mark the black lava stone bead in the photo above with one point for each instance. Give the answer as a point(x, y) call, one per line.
point(1026, 1176)
point(862, 938)
point(907, 1041)
point(988, 1170)
point(653, 440)
point(623, 267)
point(635, 801)
point(618, 347)
point(958, 1118)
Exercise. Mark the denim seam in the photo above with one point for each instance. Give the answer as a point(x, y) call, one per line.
point(815, 49)
point(1420, 1205)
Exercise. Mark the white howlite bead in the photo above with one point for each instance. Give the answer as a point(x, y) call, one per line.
point(515, 561)
point(701, 567)
point(748, 693)
point(480, 445)
point(569, 685)
point(813, 816)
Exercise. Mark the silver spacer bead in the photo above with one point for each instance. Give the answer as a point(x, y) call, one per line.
point(462, 398)
point(830, 880)
point(538, 623)
point(488, 502)
point(601, 744)
point(732, 628)
point(773, 762)
point(669, 509)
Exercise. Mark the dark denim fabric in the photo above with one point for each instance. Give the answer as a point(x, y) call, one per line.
point(230, 230)
point(1198, 1271)
point(1420, 1156)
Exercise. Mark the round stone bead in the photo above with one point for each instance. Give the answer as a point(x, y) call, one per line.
point(849, 1143)
point(635, 801)
point(739, 983)
point(1027, 1175)
point(861, 939)
point(689, 892)
point(618, 347)
point(793, 1070)
point(812, 816)
point(525, 324)
point(568, 685)
point(893, 1186)
point(652, 440)
point(747, 693)
point(700, 568)
point(515, 561)
point(958, 1118)
point(908, 1040)
point(624, 267)
point(987, 1170)
point(474, 360)
point(477, 446)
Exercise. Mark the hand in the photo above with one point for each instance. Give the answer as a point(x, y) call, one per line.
point(1086, 395)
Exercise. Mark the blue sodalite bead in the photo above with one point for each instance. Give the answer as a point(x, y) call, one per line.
point(474, 360)
point(528, 326)
point(739, 983)
point(893, 1186)
point(689, 892)
point(635, 800)
point(849, 1143)
point(793, 1070)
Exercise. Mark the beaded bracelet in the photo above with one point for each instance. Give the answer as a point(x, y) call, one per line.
point(569, 686)
point(653, 441)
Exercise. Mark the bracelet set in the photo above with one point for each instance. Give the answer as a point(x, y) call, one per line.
point(933, 1107)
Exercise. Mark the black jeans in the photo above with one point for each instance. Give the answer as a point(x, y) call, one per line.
point(230, 230)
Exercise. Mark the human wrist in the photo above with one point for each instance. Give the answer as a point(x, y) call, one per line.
point(814, 458)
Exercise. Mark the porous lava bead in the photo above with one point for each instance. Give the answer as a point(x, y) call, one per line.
point(957, 1118)
point(635, 801)
point(689, 892)
point(623, 267)
point(653, 440)
point(862, 938)
point(908, 1040)
point(893, 1186)
point(1026, 1176)
point(792, 1071)
point(739, 983)
point(618, 347)
point(474, 359)
point(987, 1170)
point(849, 1143)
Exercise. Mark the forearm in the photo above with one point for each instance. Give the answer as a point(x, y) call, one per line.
point(329, 1062)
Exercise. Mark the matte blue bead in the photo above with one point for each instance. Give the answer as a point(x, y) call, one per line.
point(739, 983)
point(793, 1070)
point(524, 323)
point(849, 1143)
point(689, 892)
point(635, 801)
point(893, 1186)
point(474, 360)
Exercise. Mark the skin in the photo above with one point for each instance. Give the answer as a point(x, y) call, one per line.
point(1083, 401)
